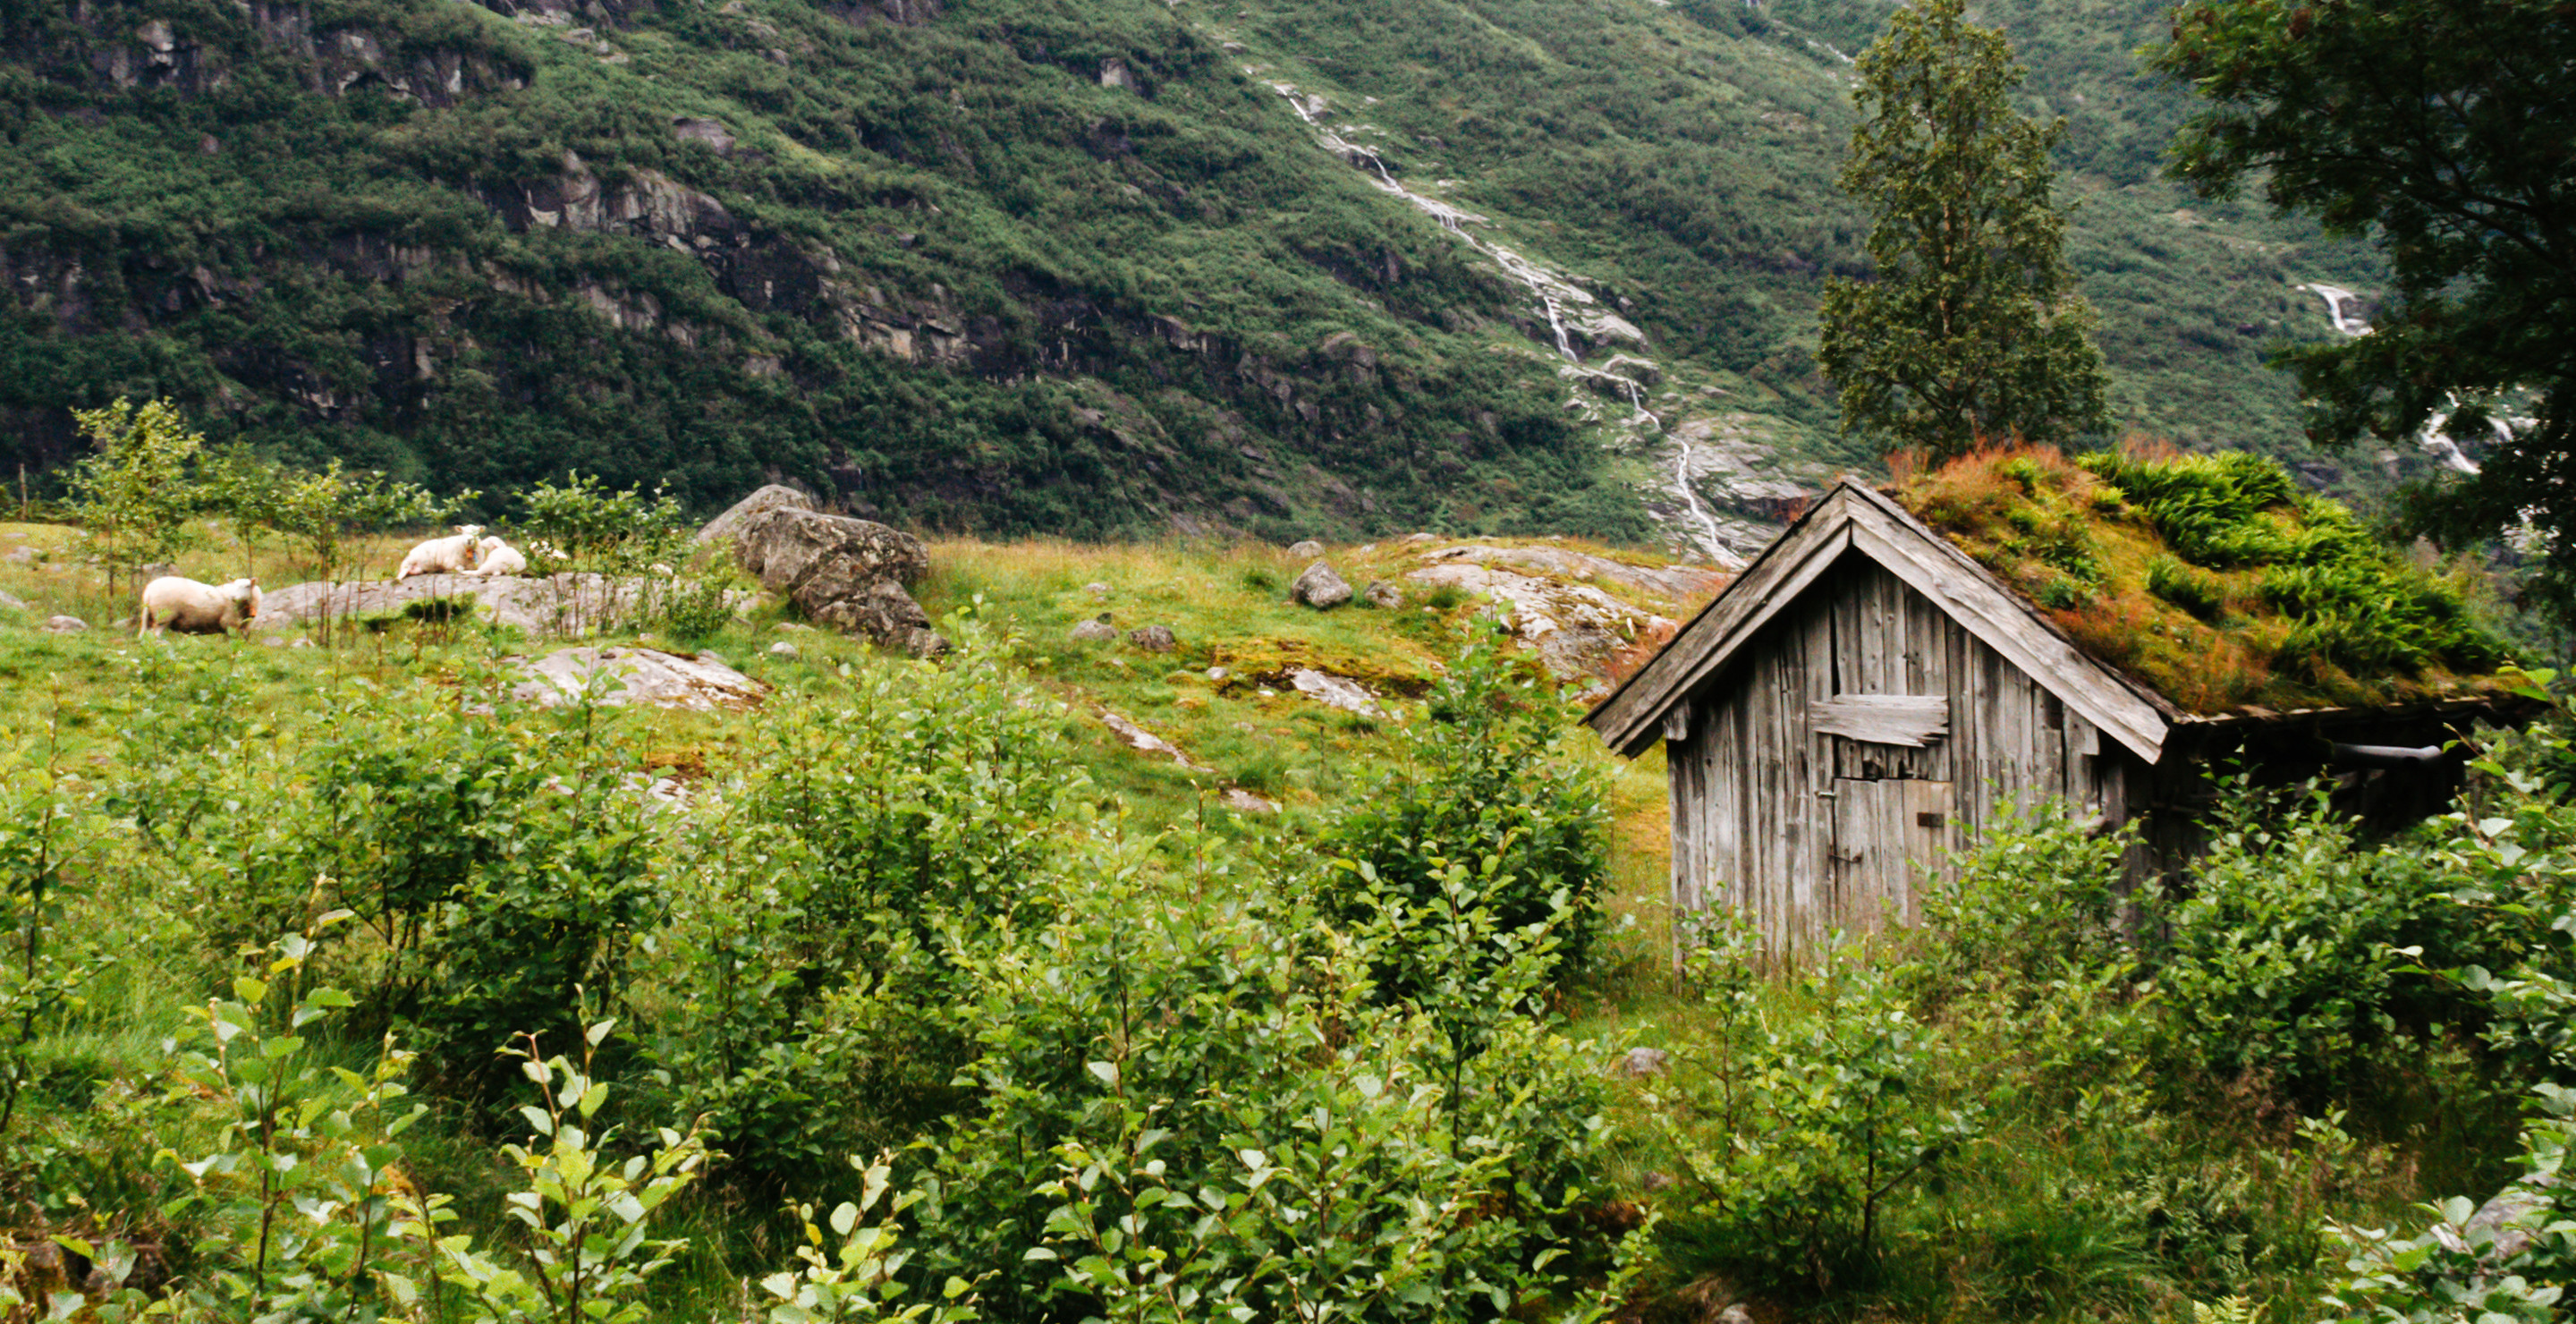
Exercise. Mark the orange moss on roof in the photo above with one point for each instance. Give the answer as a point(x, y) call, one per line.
point(2213, 580)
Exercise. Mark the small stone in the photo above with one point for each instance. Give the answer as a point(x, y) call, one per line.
point(1320, 588)
point(792, 625)
point(1644, 1062)
point(273, 641)
point(1096, 589)
point(784, 649)
point(64, 625)
point(1307, 550)
point(13, 602)
point(1097, 630)
point(1380, 593)
point(22, 554)
point(1418, 538)
point(1153, 639)
point(1245, 802)
point(1735, 1314)
point(1218, 673)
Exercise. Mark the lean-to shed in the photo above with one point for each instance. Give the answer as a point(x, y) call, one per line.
point(1851, 708)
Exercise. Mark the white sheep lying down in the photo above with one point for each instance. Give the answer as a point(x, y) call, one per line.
point(498, 558)
point(172, 603)
point(444, 556)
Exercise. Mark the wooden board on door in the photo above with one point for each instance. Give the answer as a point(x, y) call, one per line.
point(1887, 833)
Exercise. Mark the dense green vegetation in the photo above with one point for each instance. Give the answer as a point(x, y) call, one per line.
point(2450, 180)
point(2216, 579)
point(939, 268)
point(913, 969)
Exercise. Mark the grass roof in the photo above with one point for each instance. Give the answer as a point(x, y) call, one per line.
point(2212, 579)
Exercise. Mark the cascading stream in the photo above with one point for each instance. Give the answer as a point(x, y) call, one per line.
point(1551, 291)
point(2336, 297)
point(1547, 287)
point(2432, 438)
point(1709, 541)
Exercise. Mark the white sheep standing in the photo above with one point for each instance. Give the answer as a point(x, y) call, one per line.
point(498, 558)
point(172, 603)
point(444, 556)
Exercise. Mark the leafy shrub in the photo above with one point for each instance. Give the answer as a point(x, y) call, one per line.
point(491, 853)
point(1486, 789)
point(2036, 900)
point(1815, 1123)
point(1191, 1109)
point(698, 608)
point(878, 821)
point(2281, 958)
point(2512, 1265)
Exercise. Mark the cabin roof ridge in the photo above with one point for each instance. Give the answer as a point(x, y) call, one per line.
point(1854, 516)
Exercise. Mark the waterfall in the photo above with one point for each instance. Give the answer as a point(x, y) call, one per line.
point(2336, 297)
point(1709, 541)
point(1551, 290)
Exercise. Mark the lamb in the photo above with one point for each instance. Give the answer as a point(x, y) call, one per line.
point(498, 558)
point(172, 603)
point(443, 556)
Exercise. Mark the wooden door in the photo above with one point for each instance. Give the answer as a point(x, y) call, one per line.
point(1886, 834)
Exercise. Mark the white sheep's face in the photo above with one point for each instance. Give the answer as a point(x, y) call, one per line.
point(470, 530)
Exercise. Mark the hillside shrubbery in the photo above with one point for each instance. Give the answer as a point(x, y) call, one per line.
point(2056, 1100)
point(1117, 1076)
point(408, 1000)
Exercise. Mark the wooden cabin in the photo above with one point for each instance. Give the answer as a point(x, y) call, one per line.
point(1851, 708)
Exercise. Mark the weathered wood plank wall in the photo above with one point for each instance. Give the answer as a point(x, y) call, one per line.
point(1756, 822)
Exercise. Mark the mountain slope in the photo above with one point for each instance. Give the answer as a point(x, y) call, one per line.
point(1098, 268)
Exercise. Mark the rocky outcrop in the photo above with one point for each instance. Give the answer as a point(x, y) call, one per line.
point(1682, 587)
point(845, 573)
point(1335, 691)
point(636, 676)
point(728, 526)
point(1552, 599)
point(563, 604)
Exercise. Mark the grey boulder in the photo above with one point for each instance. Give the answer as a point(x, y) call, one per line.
point(1380, 593)
point(845, 573)
point(772, 497)
point(1097, 630)
point(64, 625)
point(1320, 588)
point(1306, 550)
point(1153, 639)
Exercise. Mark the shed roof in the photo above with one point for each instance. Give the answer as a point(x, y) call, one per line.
point(2221, 595)
point(1856, 518)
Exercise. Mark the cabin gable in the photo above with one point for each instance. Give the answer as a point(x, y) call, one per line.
point(1860, 736)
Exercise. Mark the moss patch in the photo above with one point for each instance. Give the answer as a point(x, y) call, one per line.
point(2213, 579)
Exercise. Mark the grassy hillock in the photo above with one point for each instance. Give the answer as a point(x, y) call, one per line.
point(919, 968)
point(1008, 265)
point(2215, 579)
